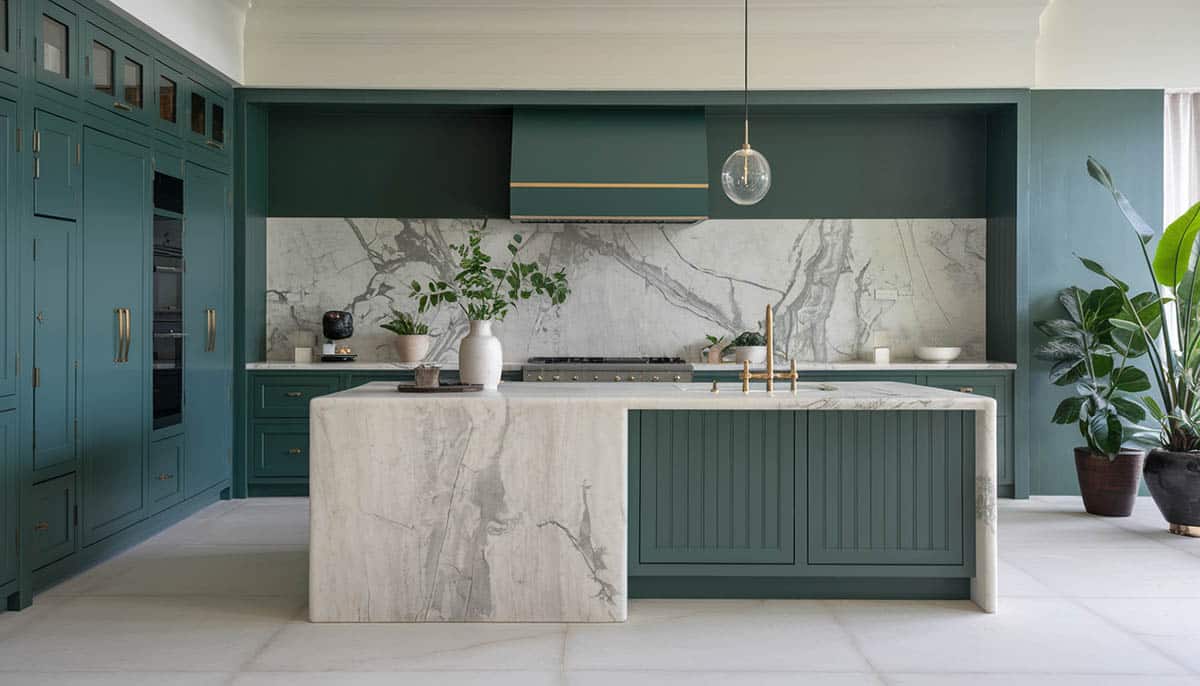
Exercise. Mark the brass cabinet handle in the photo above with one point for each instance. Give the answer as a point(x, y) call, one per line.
point(295, 394)
point(41, 526)
point(122, 335)
point(966, 389)
point(214, 144)
point(165, 477)
point(295, 451)
point(122, 106)
point(128, 334)
point(211, 344)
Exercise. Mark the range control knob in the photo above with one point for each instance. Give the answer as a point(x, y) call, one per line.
point(616, 378)
point(539, 378)
point(556, 377)
point(596, 377)
point(654, 378)
point(575, 377)
point(677, 377)
point(633, 378)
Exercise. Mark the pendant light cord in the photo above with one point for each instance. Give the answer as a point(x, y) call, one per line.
point(746, 70)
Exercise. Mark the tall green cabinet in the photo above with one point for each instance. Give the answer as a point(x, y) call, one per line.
point(89, 112)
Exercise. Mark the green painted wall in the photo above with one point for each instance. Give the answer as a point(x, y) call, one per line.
point(358, 161)
point(877, 163)
point(1072, 214)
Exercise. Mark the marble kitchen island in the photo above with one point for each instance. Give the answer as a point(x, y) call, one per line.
point(514, 505)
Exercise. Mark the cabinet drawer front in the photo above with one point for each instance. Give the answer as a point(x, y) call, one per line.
point(289, 397)
point(281, 451)
point(889, 488)
point(166, 471)
point(53, 527)
point(716, 487)
point(992, 387)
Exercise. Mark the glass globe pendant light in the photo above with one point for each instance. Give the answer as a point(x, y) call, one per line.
point(746, 175)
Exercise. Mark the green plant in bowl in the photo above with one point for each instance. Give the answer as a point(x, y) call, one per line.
point(405, 324)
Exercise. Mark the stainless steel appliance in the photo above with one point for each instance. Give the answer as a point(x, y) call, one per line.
point(169, 268)
point(607, 369)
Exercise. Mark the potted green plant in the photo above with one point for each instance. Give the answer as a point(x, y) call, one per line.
point(749, 346)
point(486, 293)
point(1088, 354)
point(1172, 469)
point(714, 350)
point(412, 336)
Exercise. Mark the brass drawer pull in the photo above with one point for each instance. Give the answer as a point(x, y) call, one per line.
point(165, 477)
point(214, 144)
point(295, 394)
point(295, 451)
point(966, 389)
point(41, 526)
point(122, 106)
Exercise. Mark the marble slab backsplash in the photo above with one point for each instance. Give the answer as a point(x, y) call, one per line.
point(839, 286)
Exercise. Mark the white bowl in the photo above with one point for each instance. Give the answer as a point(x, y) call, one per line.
point(934, 353)
point(756, 354)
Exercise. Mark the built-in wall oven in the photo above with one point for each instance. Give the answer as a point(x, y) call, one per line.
point(169, 267)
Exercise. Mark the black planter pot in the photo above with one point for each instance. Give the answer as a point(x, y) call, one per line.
point(1174, 481)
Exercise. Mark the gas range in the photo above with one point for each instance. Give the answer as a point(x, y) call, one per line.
point(607, 369)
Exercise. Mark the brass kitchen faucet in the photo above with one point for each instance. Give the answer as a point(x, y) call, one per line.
point(747, 376)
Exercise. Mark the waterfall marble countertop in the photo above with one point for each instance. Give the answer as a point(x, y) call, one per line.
point(848, 366)
point(510, 505)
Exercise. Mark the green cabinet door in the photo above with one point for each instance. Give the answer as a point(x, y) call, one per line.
point(715, 487)
point(116, 331)
point(889, 488)
point(56, 163)
point(9, 495)
point(208, 368)
point(54, 522)
point(116, 75)
point(9, 230)
point(9, 21)
point(56, 46)
point(55, 321)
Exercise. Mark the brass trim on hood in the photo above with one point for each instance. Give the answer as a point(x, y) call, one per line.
point(588, 184)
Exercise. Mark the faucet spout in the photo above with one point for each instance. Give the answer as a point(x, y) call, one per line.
point(770, 375)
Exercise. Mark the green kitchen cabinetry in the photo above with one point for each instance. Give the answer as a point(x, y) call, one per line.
point(56, 340)
point(803, 504)
point(280, 450)
point(56, 47)
point(10, 19)
point(717, 487)
point(889, 487)
point(54, 521)
point(9, 233)
point(10, 496)
point(207, 117)
point(208, 350)
point(168, 99)
point(116, 74)
point(116, 357)
point(56, 166)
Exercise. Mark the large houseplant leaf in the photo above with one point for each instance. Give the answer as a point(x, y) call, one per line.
point(1173, 256)
point(1100, 174)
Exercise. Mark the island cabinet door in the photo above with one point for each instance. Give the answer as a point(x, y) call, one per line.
point(716, 487)
point(889, 488)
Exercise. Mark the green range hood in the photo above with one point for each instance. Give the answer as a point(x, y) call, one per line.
point(609, 165)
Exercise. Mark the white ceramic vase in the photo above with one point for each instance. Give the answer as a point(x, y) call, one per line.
point(480, 356)
point(412, 348)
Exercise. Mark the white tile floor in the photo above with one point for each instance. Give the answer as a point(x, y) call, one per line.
point(220, 599)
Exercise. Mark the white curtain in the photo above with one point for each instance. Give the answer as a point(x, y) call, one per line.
point(1181, 140)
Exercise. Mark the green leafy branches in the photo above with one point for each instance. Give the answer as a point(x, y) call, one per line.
point(484, 291)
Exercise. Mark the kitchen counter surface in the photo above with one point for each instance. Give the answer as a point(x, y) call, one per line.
point(511, 505)
point(851, 366)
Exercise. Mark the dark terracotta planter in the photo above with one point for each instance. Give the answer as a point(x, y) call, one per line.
point(1109, 487)
point(1174, 481)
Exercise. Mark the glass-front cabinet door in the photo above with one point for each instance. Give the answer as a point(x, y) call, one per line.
point(56, 47)
point(168, 96)
point(9, 21)
point(207, 118)
point(116, 75)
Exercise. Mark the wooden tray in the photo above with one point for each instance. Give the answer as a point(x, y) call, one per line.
point(444, 388)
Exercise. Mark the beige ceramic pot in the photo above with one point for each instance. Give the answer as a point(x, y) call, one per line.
point(412, 348)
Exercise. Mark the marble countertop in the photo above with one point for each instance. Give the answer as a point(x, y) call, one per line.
point(849, 395)
point(851, 366)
